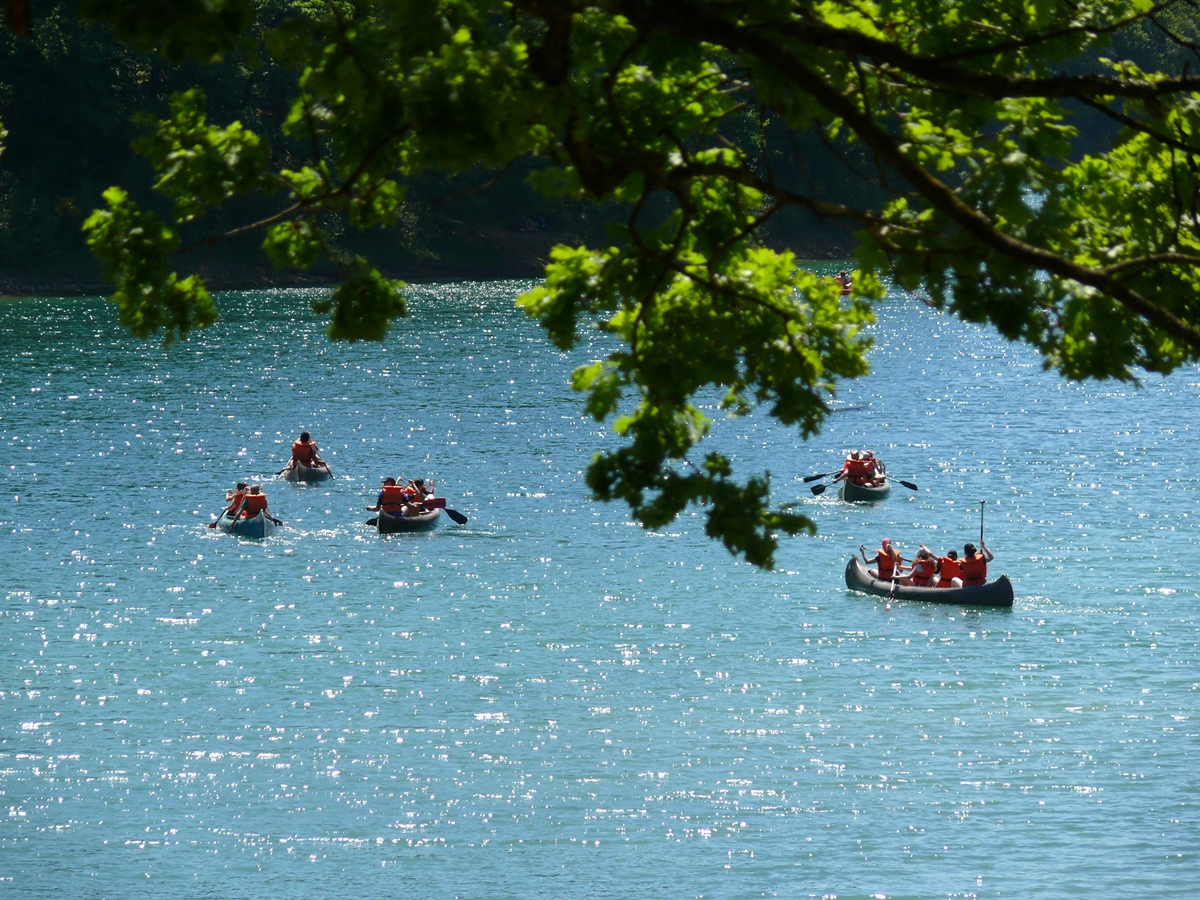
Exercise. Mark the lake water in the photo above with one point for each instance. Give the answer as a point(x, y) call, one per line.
point(550, 701)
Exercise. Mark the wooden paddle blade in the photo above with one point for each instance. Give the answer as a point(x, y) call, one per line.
point(909, 485)
point(374, 521)
point(818, 489)
point(457, 516)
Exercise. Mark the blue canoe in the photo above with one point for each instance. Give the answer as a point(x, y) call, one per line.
point(258, 526)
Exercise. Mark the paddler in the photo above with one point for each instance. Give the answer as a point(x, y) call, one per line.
point(306, 451)
point(391, 499)
point(234, 498)
point(414, 493)
point(974, 565)
point(924, 567)
point(950, 573)
point(255, 502)
point(861, 468)
point(888, 561)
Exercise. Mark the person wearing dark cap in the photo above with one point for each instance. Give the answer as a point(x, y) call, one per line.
point(306, 451)
point(950, 572)
point(974, 565)
point(391, 498)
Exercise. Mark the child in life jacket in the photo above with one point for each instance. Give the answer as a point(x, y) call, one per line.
point(234, 499)
point(254, 503)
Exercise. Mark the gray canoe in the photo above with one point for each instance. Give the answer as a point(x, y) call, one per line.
point(298, 471)
point(994, 593)
point(388, 524)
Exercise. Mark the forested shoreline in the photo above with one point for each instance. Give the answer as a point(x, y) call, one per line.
point(71, 98)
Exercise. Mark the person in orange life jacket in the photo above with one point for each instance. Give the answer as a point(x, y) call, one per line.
point(391, 498)
point(254, 503)
point(419, 484)
point(414, 495)
point(889, 563)
point(877, 468)
point(306, 451)
point(234, 498)
point(856, 469)
point(950, 572)
point(861, 468)
point(923, 569)
point(974, 565)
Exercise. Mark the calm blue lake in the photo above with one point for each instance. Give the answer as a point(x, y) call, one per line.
point(549, 701)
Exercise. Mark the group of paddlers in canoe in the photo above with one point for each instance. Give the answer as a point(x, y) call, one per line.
point(401, 507)
point(928, 569)
point(931, 576)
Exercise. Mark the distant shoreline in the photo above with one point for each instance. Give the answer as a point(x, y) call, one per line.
point(266, 279)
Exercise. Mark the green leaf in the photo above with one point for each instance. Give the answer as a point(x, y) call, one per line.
point(134, 249)
point(363, 305)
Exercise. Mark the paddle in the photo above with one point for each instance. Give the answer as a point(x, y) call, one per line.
point(213, 524)
point(907, 484)
point(819, 489)
point(819, 477)
point(373, 521)
point(981, 503)
point(440, 503)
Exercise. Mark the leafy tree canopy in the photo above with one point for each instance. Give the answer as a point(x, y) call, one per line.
point(967, 114)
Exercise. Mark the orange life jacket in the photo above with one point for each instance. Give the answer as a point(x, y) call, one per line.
point(885, 565)
point(235, 502)
point(860, 468)
point(951, 568)
point(922, 572)
point(255, 503)
point(302, 452)
point(974, 569)
point(393, 499)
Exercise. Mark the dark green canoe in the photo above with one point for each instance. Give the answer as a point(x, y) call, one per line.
point(859, 492)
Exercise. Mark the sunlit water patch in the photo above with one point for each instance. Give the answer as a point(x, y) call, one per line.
point(549, 701)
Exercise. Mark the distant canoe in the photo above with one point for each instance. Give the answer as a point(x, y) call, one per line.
point(298, 471)
point(389, 524)
point(994, 593)
point(257, 526)
point(863, 492)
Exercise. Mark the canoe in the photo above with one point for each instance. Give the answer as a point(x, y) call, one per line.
point(994, 593)
point(860, 492)
point(389, 524)
point(298, 471)
point(258, 526)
